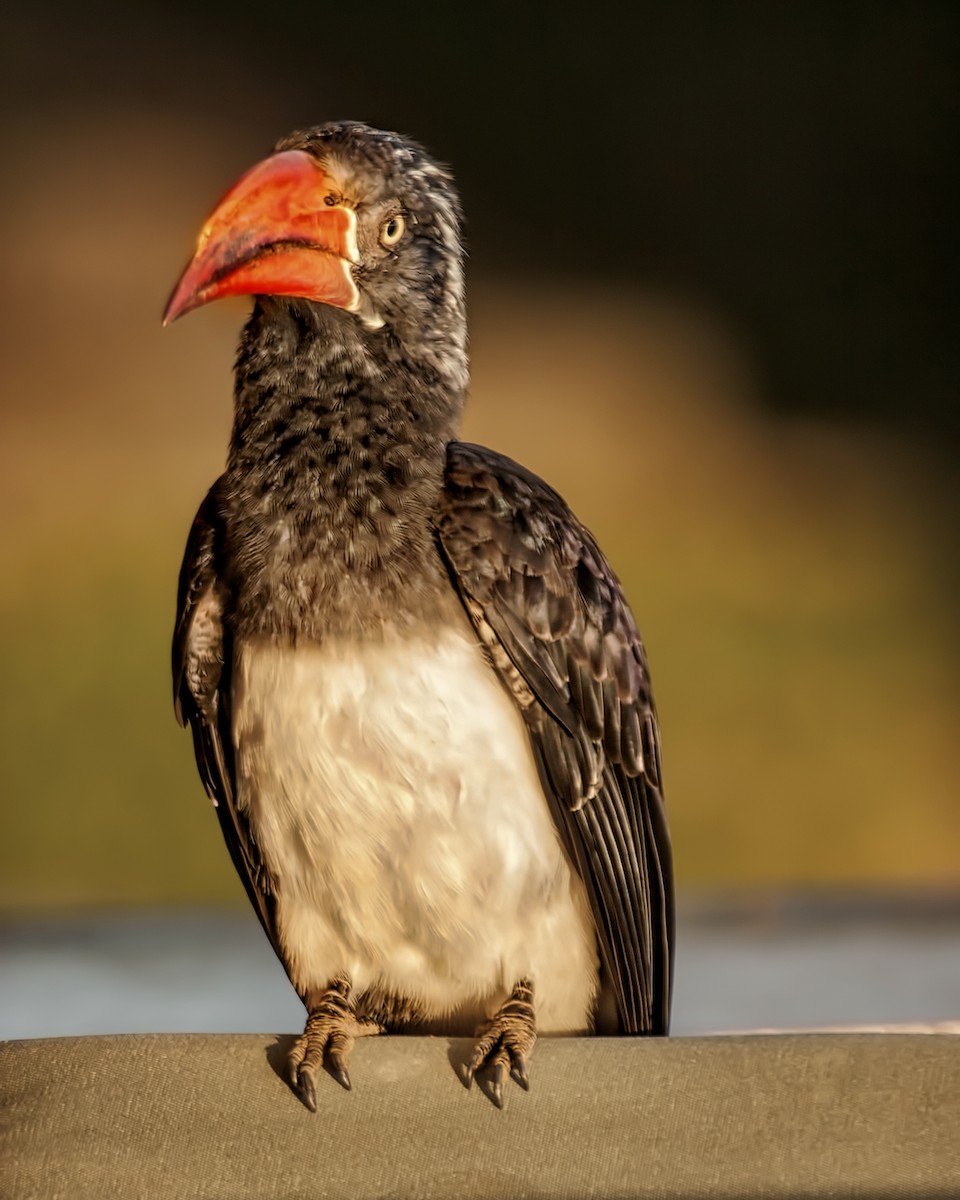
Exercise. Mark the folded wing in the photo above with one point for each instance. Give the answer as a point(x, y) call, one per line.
point(554, 620)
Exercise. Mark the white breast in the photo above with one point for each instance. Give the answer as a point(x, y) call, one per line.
point(393, 793)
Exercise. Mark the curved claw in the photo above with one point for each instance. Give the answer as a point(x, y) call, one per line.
point(305, 1085)
point(519, 1074)
point(477, 1060)
point(339, 1071)
point(497, 1076)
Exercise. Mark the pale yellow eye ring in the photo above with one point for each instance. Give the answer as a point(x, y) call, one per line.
point(392, 230)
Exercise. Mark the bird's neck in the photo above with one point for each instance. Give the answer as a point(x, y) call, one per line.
point(335, 468)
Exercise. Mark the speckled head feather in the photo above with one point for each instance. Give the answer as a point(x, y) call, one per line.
point(416, 287)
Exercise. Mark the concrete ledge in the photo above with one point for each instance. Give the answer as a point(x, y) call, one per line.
point(209, 1116)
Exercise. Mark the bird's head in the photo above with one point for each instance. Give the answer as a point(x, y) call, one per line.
point(344, 216)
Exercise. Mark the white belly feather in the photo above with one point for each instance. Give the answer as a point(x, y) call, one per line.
point(393, 794)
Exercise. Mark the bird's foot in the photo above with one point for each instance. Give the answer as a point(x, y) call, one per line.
point(332, 1025)
point(506, 1043)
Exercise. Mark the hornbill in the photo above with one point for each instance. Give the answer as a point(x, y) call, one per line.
point(418, 698)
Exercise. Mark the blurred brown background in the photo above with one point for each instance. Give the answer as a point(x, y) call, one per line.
point(713, 276)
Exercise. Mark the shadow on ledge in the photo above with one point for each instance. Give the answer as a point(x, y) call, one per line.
point(212, 1116)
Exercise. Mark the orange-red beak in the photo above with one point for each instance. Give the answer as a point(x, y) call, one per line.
point(279, 232)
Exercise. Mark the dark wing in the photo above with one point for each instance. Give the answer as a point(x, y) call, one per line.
point(201, 697)
point(554, 620)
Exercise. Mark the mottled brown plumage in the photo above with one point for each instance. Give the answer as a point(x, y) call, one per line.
point(425, 847)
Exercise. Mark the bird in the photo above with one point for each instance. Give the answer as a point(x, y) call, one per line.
point(418, 697)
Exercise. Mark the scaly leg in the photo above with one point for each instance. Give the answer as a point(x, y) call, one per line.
point(507, 1042)
point(332, 1024)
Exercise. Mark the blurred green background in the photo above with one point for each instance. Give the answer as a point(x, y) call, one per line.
point(713, 265)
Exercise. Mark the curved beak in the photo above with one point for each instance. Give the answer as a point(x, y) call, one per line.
point(279, 231)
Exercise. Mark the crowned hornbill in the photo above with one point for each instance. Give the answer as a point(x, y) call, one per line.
point(418, 697)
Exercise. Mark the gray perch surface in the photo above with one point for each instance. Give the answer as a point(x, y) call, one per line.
point(174, 1116)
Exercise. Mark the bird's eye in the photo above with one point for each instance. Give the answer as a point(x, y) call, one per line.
point(391, 231)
